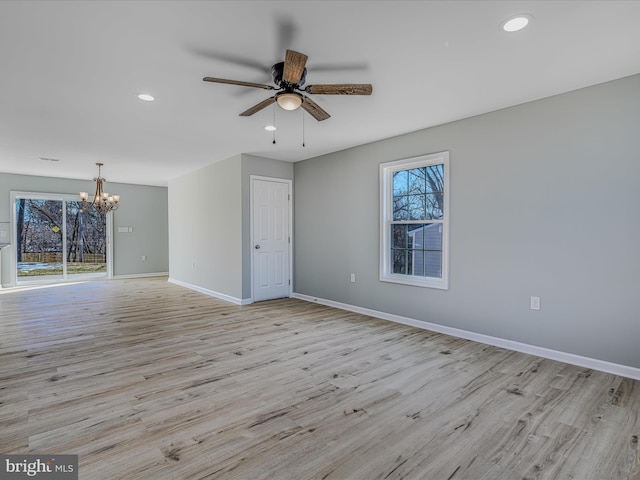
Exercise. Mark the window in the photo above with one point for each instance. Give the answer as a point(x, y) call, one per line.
point(414, 206)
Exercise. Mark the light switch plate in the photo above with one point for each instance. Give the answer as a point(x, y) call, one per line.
point(4, 232)
point(535, 303)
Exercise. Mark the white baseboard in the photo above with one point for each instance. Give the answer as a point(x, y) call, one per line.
point(595, 364)
point(211, 293)
point(141, 275)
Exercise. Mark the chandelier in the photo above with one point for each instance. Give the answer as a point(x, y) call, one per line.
point(102, 203)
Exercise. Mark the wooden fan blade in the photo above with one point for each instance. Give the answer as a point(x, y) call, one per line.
point(236, 82)
point(313, 109)
point(341, 89)
point(211, 54)
point(294, 63)
point(258, 107)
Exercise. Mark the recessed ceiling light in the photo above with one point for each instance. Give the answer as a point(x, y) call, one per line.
point(270, 128)
point(516, 23)
point(146, 97)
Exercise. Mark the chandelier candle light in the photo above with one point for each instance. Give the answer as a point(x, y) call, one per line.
point(102, 203)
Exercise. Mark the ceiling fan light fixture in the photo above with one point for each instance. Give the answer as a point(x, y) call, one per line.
point(289, 101)
point(516, 23)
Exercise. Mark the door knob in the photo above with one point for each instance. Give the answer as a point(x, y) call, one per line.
point(257, 247)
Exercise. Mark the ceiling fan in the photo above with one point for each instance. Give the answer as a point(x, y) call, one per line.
point(289, 76)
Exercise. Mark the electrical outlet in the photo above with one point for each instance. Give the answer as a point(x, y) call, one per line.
point(144, 258)
point(353, 278)
point(535, 303)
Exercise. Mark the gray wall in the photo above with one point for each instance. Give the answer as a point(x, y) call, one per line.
point(142, 207)
point(209, 219)
point(544, 202)
point(205, 228)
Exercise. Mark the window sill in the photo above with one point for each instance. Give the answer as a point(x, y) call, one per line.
point(438, 283)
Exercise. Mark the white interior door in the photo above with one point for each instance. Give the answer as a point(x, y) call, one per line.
point(271, 239)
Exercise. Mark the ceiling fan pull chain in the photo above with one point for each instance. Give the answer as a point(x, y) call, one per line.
point(302, 114)
point(274, 123)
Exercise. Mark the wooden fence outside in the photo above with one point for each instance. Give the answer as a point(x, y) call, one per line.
point(53, 257)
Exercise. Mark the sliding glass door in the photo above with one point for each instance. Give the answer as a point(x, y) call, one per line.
point(56, 240)
point(39, 239)
point(86, 250)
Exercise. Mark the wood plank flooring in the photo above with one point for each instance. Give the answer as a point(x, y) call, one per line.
point(147, 380)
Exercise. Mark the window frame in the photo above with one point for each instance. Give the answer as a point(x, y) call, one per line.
point(387, 170)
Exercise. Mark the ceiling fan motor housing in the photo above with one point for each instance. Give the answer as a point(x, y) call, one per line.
point(277, 72)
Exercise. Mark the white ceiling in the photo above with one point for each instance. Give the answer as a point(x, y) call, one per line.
point(71, 72)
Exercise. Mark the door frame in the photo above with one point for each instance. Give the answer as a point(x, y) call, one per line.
point(289, 182)
point(13, 261)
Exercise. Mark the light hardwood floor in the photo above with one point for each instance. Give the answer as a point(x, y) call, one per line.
point(146, 380)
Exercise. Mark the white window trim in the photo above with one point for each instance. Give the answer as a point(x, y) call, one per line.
point(386, 216)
